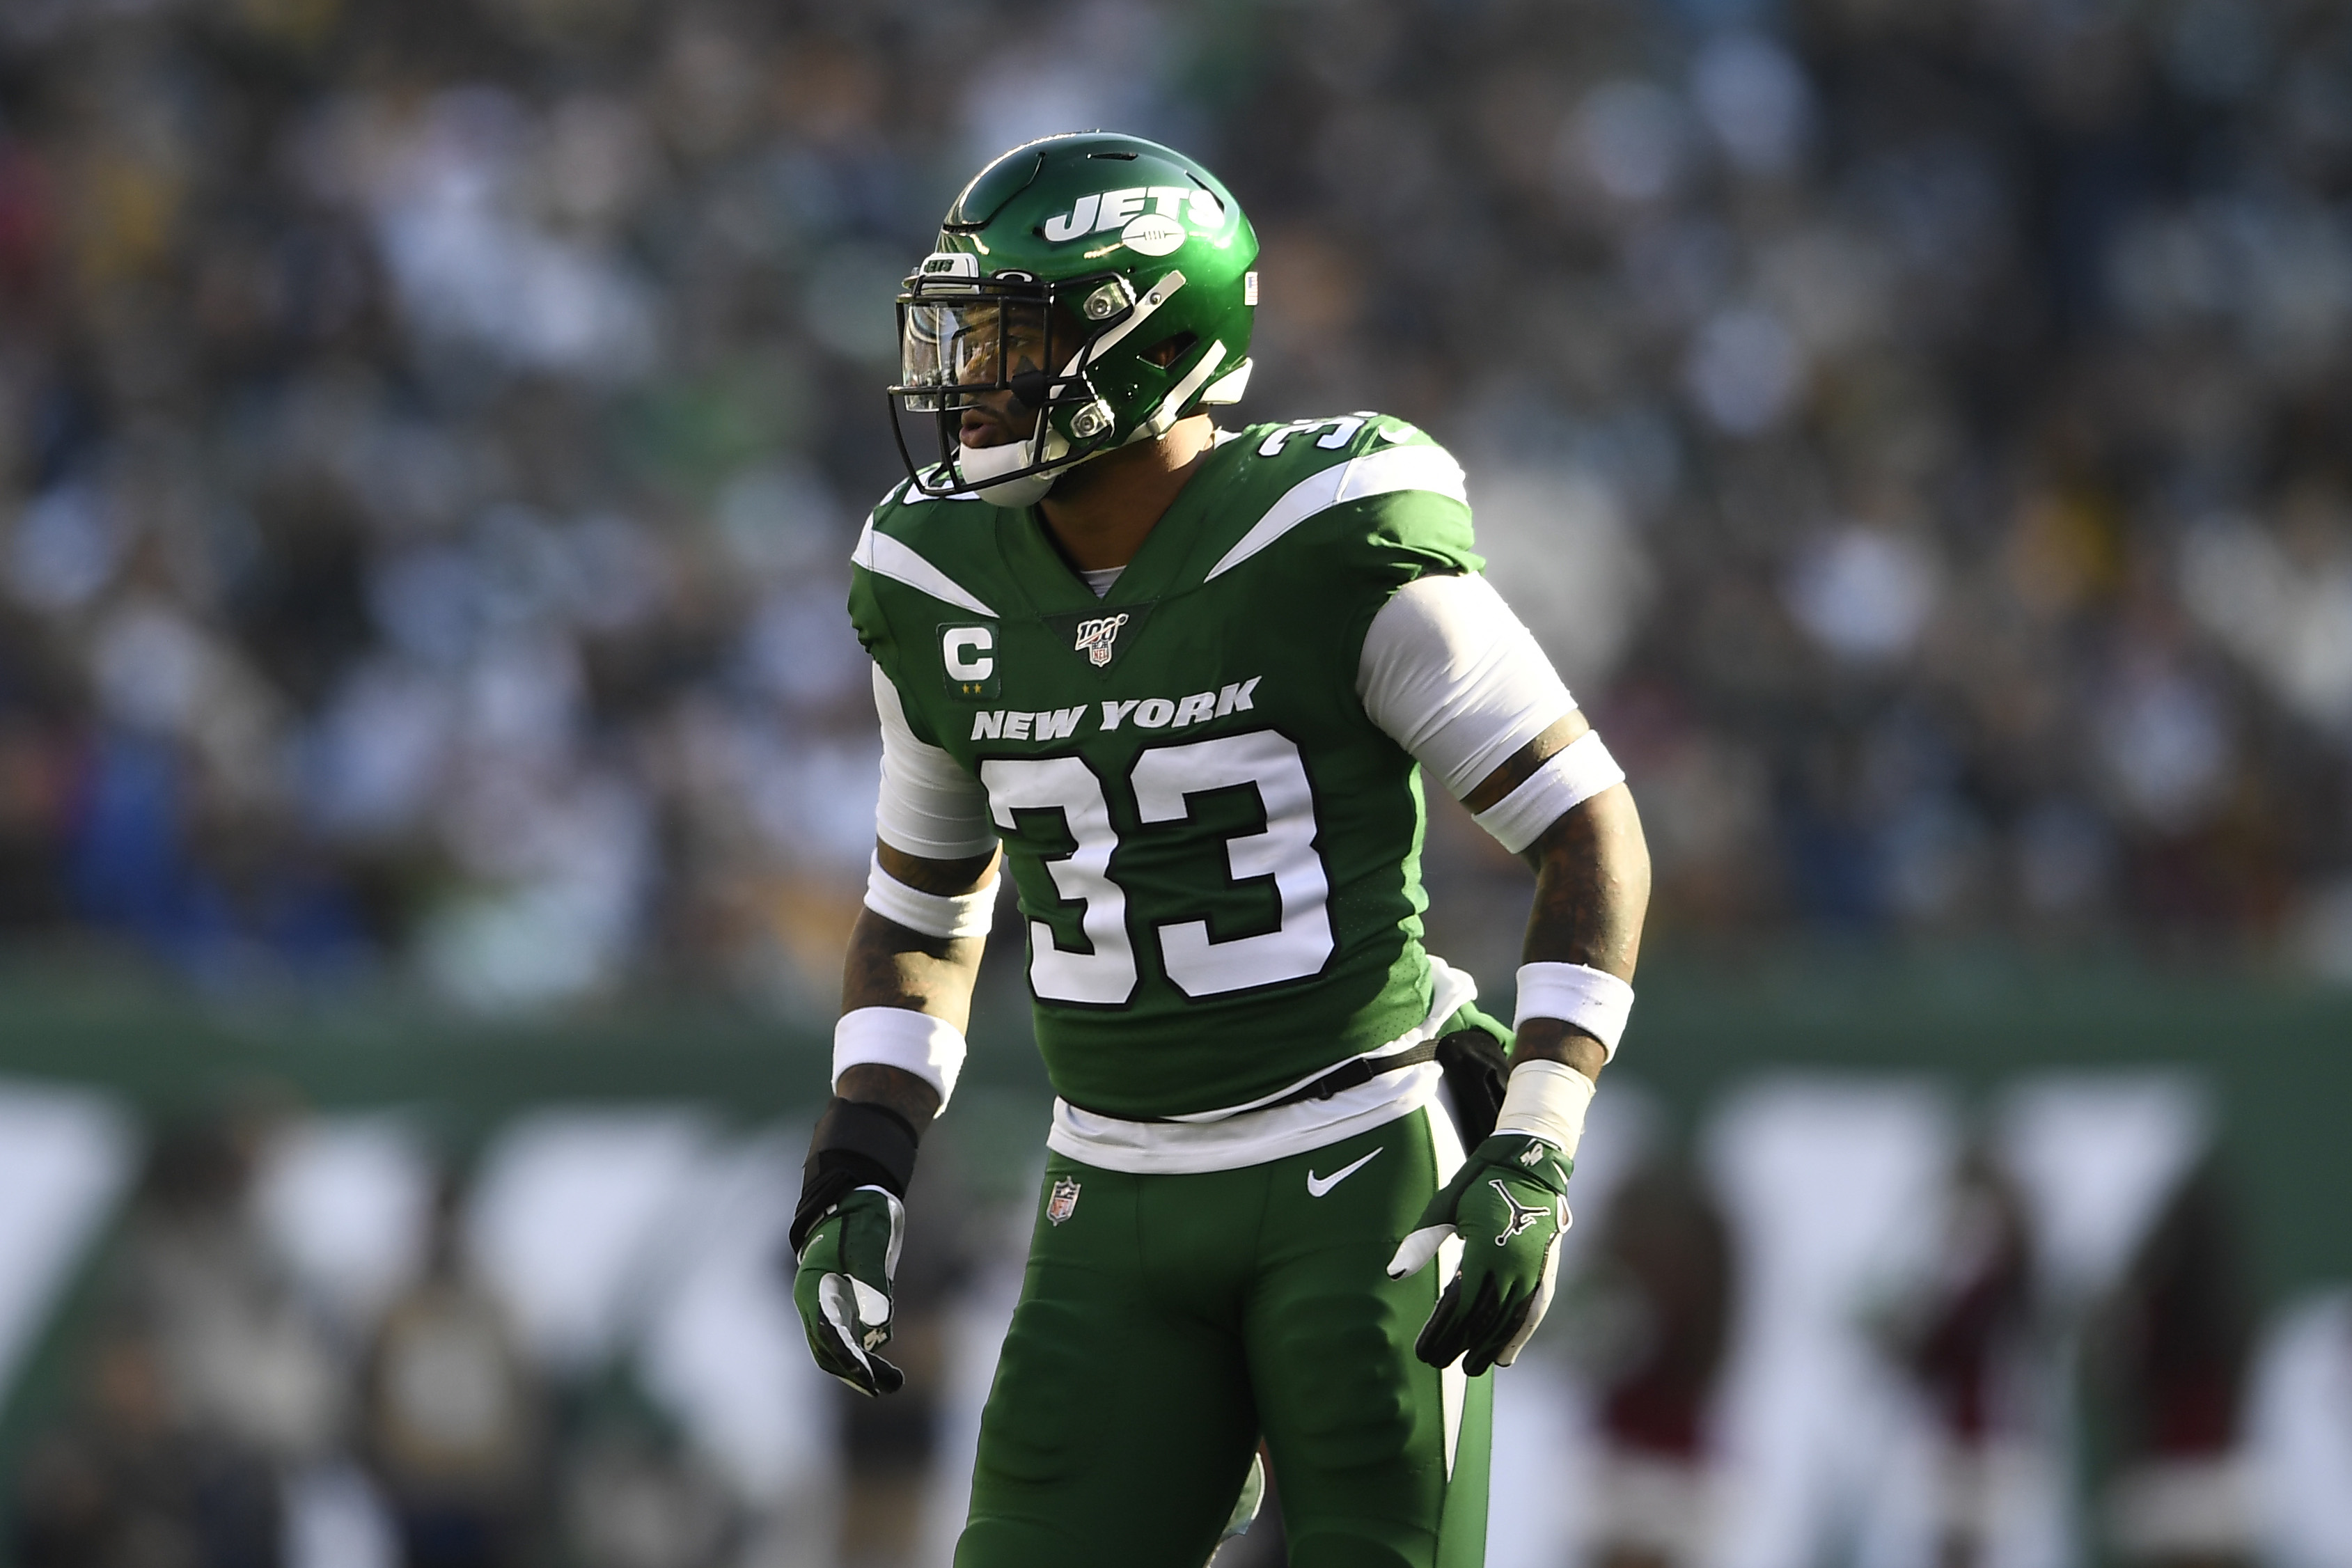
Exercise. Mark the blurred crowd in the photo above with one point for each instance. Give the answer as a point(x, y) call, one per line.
point(432, 433)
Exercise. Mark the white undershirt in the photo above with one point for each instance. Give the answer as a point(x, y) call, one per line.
point(1102, 578)
point(1451, 675)
point(928, 807)
point(1448, 672)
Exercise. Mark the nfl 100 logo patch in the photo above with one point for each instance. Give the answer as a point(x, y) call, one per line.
point(1099, 638)
point(1063, 1201)
point(1102, 638)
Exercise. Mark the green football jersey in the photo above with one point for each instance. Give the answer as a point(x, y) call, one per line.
point(1216, 850)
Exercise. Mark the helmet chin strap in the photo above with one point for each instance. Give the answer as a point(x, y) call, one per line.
point(978, 465)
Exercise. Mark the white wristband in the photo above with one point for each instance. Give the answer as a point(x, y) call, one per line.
point(932, 915)
point(1565, 780)
point(1546, 1100)
point(1593, 999)
point(931, 1048)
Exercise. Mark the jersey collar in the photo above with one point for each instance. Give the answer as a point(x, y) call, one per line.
point(1165, 563)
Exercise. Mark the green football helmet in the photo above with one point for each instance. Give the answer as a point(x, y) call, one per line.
point(1104, 282)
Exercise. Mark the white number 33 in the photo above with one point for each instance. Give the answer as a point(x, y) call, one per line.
point(1161, 779)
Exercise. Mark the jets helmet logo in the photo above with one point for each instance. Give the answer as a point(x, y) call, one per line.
point(1063, 1202)
point(1158, 231)
point(1096, 636)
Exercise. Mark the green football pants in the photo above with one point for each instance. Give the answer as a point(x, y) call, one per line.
point(1167, 1321)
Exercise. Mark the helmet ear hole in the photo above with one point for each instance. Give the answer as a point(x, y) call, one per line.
point(1167, 351)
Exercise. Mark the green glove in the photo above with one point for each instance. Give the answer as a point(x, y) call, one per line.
point(842, 1286)
point(1508, 1203)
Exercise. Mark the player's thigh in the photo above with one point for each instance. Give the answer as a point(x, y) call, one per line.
point(1118, 1430)
point(1381, 1458)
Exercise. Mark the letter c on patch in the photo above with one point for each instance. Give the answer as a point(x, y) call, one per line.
point(969, 652)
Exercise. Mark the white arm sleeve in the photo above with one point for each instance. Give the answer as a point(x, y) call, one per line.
point(928, 807)
point(1453, 676)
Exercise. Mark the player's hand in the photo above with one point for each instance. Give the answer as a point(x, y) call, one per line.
point(1508, 1203)
point(840, 1283)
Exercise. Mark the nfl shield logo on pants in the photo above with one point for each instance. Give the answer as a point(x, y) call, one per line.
point(1063, 1202)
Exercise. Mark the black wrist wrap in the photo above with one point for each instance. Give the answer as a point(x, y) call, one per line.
point(1477, 1071)
point(858, 1144)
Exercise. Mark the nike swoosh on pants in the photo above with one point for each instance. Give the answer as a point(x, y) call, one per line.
point(1318, 1186)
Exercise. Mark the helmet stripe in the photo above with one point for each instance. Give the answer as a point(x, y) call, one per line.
point(1181, 392)
point(1161, 292)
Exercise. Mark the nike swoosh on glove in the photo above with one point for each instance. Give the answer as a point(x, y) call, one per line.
point(1510, 1204)
point(840, 1283)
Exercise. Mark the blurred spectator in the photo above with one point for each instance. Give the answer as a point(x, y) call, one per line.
point(133, 1481)
point(2176, 1358)
point(208, 1384)
point(1968, 1342)
point(244, 1361)
point(1664, 1275)
point(636, 1497)
point(452, 1418)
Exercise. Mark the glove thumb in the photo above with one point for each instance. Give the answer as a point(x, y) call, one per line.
point(1413, 1254)
point(873, 1313)
point(858, 1318)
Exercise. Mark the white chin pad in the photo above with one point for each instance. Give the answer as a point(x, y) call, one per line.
point(976, 466)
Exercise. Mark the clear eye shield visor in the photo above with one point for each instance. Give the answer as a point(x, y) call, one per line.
point(1014, 352)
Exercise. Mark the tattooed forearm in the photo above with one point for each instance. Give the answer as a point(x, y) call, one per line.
point(1592, 885)
point(891, 966)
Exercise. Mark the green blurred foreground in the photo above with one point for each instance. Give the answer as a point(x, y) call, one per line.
point(2277, 1055)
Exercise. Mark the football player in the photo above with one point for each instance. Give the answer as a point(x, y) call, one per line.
point(1181, 684)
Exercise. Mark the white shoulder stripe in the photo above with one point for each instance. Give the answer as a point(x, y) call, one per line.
point(887, 557)
point(1373, 474)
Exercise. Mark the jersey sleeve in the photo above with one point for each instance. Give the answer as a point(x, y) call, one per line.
point(929, 807)
point(869, 621)
point(1375, 501)
point(1402, 511)
point(869, 618)
point(1451, 675)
